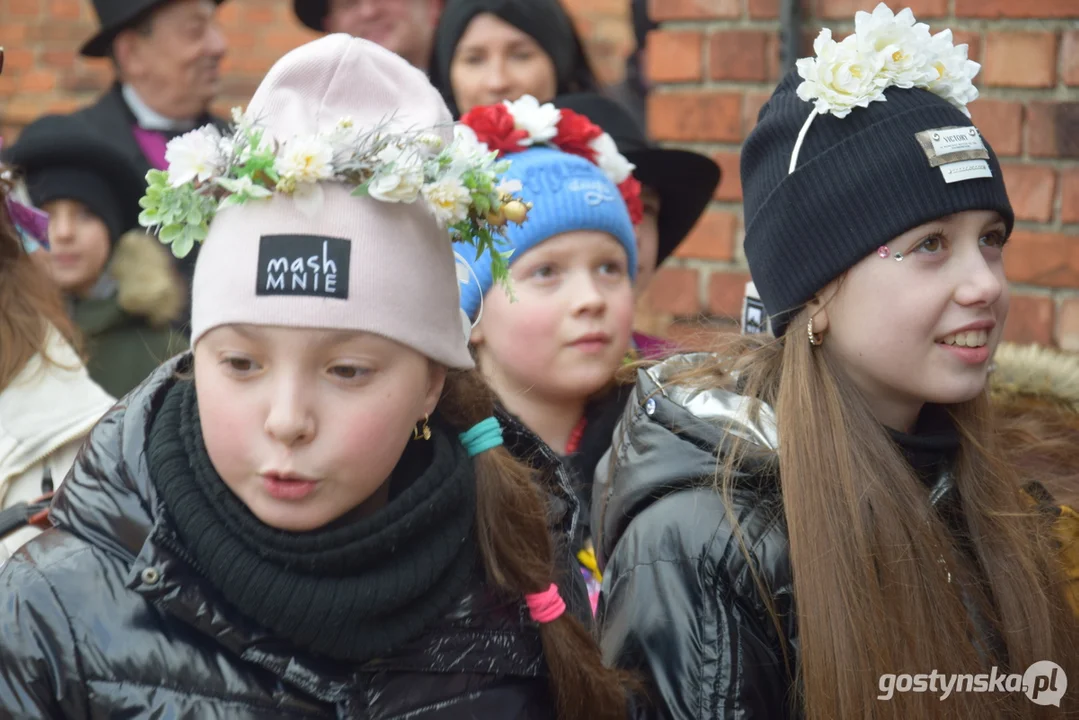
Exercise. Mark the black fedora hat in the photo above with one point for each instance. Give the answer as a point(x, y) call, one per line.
point(113, 16)
point(311, 12)
point(683, 180)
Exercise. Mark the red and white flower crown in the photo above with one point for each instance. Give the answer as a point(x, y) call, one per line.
point(511, 127)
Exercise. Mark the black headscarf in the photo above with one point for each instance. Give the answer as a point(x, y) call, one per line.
point(545, 21)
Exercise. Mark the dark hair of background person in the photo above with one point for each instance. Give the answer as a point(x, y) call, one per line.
point(546, 21)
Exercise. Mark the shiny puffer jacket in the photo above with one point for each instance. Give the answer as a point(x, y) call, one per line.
point(679, 603)
point(99, 620)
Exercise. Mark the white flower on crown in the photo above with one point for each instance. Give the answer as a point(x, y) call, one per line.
point(305, 159)
point(613, 164)
point(903, 43)
point(953, 71)
point(399, 177)
point(449, 199)
point(841, 78)
point(886, 50)
point(539, 121)
point(195, 156)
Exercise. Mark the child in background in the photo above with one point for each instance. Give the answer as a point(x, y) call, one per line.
point(551, 351)
point(120, 284)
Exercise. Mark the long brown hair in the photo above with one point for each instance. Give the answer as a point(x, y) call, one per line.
point(518, 554)
point(877, 574)
point(29, 303)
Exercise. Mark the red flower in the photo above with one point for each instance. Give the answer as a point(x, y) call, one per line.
point(493, 125)
point(575, 132)
point(631, 193)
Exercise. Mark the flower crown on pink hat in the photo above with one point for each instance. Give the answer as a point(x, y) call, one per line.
point(334, 203)
point(209, 171)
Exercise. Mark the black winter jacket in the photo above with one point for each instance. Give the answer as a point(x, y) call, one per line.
point(99, 620)
point(679, 604)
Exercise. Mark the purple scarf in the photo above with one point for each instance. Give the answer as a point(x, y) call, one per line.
point(152, 144)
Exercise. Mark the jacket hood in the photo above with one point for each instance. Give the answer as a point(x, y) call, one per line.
point(46, 406)
point(147, 283)
point(669, 438)
point(1036, 374)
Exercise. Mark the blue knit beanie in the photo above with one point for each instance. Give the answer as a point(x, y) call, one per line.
point(567, 193)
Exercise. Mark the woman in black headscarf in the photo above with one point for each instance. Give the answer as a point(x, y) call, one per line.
point(487, 51)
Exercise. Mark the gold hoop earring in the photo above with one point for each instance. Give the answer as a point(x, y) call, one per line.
point(424, 432)
point(814, 339)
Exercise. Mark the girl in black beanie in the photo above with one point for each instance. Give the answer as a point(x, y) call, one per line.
point(816, 524)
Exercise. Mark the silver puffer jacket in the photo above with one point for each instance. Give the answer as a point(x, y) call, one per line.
point(679, 604)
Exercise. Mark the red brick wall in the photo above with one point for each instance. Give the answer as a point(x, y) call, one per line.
point(717, 61)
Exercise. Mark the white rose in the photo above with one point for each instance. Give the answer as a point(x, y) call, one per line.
point(902, 43)
point(539, 121)
point(613, 163)
point(953, 71)
point(840, 78)
point(448, 199)
point(305, 160)
point(196, 155)
point(399, 177)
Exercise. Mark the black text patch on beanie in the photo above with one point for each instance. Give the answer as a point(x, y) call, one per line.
point(312, 265)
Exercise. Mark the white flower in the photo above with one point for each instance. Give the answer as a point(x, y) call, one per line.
point(399, 176)
point(953, 72)
point(449, 199)
point(196, 155)
point(539, 121)
point(305, 160)
point(840, 77)
point(509, 187)
point(613, 164)
point(467, 145)
point(903, 45)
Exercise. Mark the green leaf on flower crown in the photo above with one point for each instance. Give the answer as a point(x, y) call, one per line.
point(149, 218)
point(169, 233)
point(361, 190)
point(182, 245)
point(482, 203)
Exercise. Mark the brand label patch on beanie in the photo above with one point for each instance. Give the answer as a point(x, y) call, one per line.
point(312, 265)
point(959, 152)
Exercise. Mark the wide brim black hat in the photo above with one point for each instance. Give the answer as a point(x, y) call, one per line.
point(65, 148)
point(310, 12)
point(684, 181)
point(113, 16)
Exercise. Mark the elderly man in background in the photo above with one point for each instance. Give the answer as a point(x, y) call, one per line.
point(167, 56)
point(406, 27)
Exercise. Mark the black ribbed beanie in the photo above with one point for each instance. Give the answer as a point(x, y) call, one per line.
point(860, 182)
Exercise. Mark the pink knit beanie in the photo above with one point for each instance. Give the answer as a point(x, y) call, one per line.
point(359, 263)
point(316, 238)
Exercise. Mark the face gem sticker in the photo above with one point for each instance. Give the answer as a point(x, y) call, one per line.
point(306, 265)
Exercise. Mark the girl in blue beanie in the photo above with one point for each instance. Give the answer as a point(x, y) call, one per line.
point(551, 343)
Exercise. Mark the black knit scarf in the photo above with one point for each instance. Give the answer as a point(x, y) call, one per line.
point(352, 591)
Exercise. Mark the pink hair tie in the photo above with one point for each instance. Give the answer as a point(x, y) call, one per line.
point(546, 606)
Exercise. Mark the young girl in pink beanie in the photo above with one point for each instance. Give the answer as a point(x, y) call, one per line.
point(312, 514)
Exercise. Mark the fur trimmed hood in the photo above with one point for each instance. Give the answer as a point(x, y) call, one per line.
point(1035, 375)
point(147, 283)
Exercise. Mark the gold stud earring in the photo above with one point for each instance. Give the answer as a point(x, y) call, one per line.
point(424, 432)
point(814, 339)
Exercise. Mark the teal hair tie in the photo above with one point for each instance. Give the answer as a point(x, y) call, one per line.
point(482, 436)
